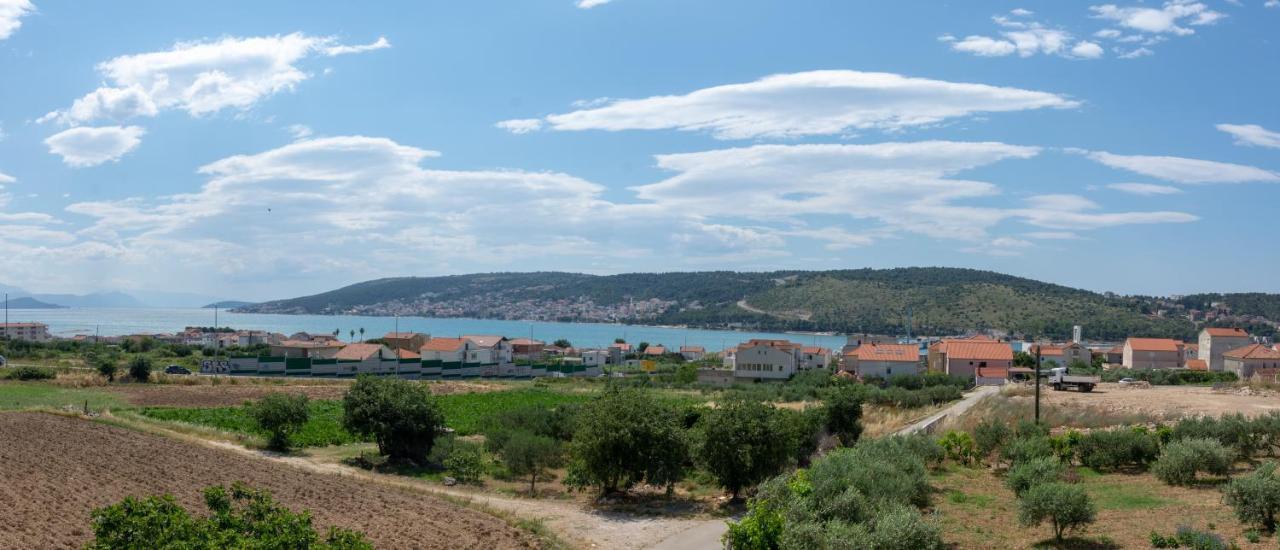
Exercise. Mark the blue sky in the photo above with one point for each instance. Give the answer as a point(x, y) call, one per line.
point(259, 150)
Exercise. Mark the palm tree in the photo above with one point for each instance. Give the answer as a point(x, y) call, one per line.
point(336, 332)
point(361, 334)
point(353, 335)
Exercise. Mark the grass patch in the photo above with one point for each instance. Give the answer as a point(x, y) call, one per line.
point(32, 395)
point(1086, 472)
point(464, 412)
point(1125, 496)
point(956, 496)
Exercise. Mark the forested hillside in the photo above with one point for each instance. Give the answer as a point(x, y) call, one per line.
point(939, 300)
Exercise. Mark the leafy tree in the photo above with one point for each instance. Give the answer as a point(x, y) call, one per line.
point(742, 444)
point(527, 454)
point(1065, 506)
point(619, 341)
point(1024, 359)
point(643, 346)
point(990, 436)
point(687, 374)
point(281, 415)
point(401, 416)
point(1180, 460)
point(245, 518)
point(1256, 497)
point(140, 368)
point(1022, 477)
point(562, 343)
point(107, 367)
point(843, 406)
point(462, 460)
point(625, 437)
point(959, 446)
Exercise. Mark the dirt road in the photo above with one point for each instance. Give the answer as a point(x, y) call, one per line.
point(954, 411)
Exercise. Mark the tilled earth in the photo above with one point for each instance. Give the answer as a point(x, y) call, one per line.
point(55, 470)
point(223, 395)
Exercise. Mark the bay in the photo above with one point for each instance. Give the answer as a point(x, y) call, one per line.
point(121, 321)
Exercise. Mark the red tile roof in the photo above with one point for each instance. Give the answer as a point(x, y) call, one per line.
point(980, 350)
point(887, 352)
point(655, 350)
point(358, 352)
point(1253, 351)
point(1154, 344)
point(992, 372)
point(1227, 332)
point(815, 350)
point(692, 349)
point(1048, 350)
point(1197, 364)
point(406, 354)
point(443, 344)
point(785, 345)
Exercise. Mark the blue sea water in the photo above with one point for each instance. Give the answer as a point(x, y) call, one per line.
point(120, 321)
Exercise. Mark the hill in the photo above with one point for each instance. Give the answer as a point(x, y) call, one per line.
point(940, 301)
point(27, 302)
point(227, 304)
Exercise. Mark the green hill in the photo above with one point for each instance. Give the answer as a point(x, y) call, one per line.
point(940, 301)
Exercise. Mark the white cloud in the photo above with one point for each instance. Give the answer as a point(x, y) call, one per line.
point(89, 146)
point(202, 77)
point(520, 125)
point(1136, 53)
point(1025, 38)
point(985, 46)
point(1052, 235)
point(804, 104)
point(1086, 50)
point(11, 14)
point(1174, 17)
point(1272, 4)
point(1185, 170)
point(299, 131)
point(1252, 134)
point(1145, 189)
point(588, 4)
point(6, 178)
point(1075, 212)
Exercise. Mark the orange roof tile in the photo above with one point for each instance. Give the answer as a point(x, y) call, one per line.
point(980, 350)
point(887, 352)
point(1227, 332)
point(655, 350)
point(1197, 364)
point(1253, 351)
point(692, 349)
point(1154, 344)
point(443, 344)
point(358, 352)
point(814, 350)
point(406, 354)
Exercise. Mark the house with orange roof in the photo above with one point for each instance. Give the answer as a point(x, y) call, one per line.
point(693, 353)
point(1244, 361)
point(410, 341)
point(1061, 355)
point(762, 359)
point(315, 349)
point(883, 360)
point(363, 352)
point(656, 350)
point(965, 358)
point(814, 357)
point(937, 353)
point(1215, 342)
point(451, 357)
point(1153, 353)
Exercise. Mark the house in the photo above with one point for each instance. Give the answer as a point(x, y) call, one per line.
point(364, 352)
point(30, 332)
point(814, 357)
point(965, 357)
point(1215, 342)
point(1197, 364)
point(992, 376)
point(1190, 351)
point(1152, 353)
point(1063, 355)
point(693, 353)
point(766, 359)
point(499, 348)
point(656, 350)
point(528, 349)
point(594, 358)
point(1246, 360)
point(306, 348)
point(410, 341)
point(451, 357)
point(1115, 355)
point(937, 351)
point(884, 360)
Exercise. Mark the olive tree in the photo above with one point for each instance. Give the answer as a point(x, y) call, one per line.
point(742, 444)
point(1065, 506)
point(400, 416)
point(625, 437)
point(280, 415)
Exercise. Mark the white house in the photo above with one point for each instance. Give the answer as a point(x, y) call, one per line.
point(1215, 342)
point(766, 360)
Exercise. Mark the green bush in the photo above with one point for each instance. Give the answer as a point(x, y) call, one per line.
point(843, 408)
point(400, 416)
point(1169, 377)
point(1114, 449)
point(462, 460)
point(1064, 506)
point(741, 443)
point(1255, 498)
point(140, 368)
point(1180, 460)
point(1023, 476)
point(1246, 436)
point(245, 518)
point(280, 415)
point(531, 455)
point(107, 368)
point(625, 437)
point(760, 529)
point(1027, 448)
point(958, 446)
point(990, 436)
point(29, 373)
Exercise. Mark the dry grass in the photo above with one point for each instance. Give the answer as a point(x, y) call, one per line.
point(1013, 407)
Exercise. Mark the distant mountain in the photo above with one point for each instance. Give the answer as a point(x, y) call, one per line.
point(97, 299)
point(938, 300)
point(27, 302)
point(228, 304)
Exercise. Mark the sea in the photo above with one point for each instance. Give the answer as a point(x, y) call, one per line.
point(121, 321)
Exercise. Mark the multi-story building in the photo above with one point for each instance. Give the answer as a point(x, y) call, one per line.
point(31, 332)
point(814, 357)
point(766, 359)
point(1061, 355)
point(528, 349)
point(967, 357)
point(410, 341)
point(1153, 353)
point(500, 353)
point(883, 360)
point(1215, 342)
point(1247, 360)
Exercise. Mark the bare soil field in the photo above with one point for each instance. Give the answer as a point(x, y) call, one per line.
point(1168, 401)
point(55, 470)
point(221, 395)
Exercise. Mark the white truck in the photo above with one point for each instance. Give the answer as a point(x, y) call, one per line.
point(1060, 380)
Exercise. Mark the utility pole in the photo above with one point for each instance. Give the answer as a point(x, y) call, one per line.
point(1037, 384)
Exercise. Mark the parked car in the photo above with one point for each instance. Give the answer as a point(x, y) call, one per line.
point(176, 369)
point(1126, 381)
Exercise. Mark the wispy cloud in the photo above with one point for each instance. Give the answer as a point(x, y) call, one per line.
point(89, 146)
point(1026, 38)
point(1252, 134)
point(1185, 170)
point(11, 14)
point(1145, 189)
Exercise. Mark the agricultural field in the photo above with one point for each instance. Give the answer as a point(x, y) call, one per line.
point(58, 469)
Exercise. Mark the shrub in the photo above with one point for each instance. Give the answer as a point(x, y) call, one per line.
point(280, 415)
point(1255, 497)
point(1199, 540)
point(107, 368)
point(741, 444)
point(528, 454)
point(1232, 430)
point(30, 373)
point(958, 446)
point(399, 415)
point(843, 408)
point(554, 422)
point(990, 436)
point(1065, 506)
point(760, 529)
point(461, 460)
point(625, 437)
point(1113, 449)
point(1028, 428)
point(140, 368)
point(1064, 445)
point(245, 518)
point(1026, 475)
point(1181, 460)
point(803, 431)
point(1027, 448)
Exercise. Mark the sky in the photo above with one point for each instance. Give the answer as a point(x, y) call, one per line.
point(260, 150)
